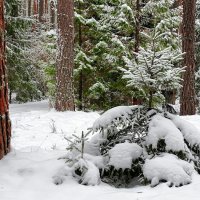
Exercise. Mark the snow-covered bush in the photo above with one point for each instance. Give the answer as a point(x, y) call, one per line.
point(133, 143)
point(168, 167)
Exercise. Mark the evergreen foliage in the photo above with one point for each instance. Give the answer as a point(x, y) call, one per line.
point(129, 140)
point(23, 76)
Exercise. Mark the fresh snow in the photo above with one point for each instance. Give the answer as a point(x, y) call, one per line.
point(122, 155)
point(168, 168)
point(32, 167)
point(112, 114)
point(162, 128)
point(189, 131)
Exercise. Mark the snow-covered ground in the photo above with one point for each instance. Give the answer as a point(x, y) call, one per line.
point(37, 143)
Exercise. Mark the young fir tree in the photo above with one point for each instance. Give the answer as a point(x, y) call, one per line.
point(159, 37)
point(154, 71)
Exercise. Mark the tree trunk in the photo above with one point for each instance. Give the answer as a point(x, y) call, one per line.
point(35, 8)
point(187, 98)
point(29, 8)
point(80, 96)
point(137, 26)
point(41, 11)
point(52, 15)
point(5, 127)
point(65, 57)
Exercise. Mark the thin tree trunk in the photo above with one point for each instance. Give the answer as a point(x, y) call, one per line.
point(80, 97)
point(52, 15)
point(137, 26)
point(41, 11)
point(65, 57)
point(35, 8)
point(29, 8)
point(5, 127)
point(187, 99)
point(150, 100)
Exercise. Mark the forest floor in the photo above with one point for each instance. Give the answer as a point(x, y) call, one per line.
point(37, 143)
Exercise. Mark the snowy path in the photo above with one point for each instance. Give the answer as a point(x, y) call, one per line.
point(26, 173)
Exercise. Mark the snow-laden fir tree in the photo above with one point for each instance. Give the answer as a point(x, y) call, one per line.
point(25, 78)
point(102, 30)
point(155, 70)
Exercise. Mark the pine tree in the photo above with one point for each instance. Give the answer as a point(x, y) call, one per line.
point(65, 57)
point(5, 130)
point(154, 70)
point(21, 43)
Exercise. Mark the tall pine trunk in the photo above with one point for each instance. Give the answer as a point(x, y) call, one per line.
point(65, 57)
point(41, 11)
point(187, 98)
point(5, 127)
point(29, 7)
point(52, 14)
point(80, 89)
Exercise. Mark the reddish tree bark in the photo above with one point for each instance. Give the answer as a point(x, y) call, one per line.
point(65, 58)
point(5, 127)
point(41, 10)
point(187, 99)
point(35, 8)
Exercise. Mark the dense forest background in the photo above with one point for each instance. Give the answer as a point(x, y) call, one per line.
point(107, 35)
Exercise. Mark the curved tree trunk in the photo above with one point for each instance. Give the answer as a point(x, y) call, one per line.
point(5, 128)
point(187, 99)
point(65, 57)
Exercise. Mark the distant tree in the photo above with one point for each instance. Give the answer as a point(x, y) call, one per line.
point(41, 10)
point(5, 128)
point(187, 98)
point(65, 56)
point(52, 14)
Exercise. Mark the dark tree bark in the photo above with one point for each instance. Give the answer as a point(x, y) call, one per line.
point(41, 10)
point(52, 14)
point(187, 98)
point(29, 8)
point(35, 8)
point(5, 127)
point(80, 41)
point(46, 6)
point(65, 58)
point(137, 26)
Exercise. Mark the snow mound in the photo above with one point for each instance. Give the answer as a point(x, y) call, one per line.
point(89, 173)
point(168, 168)
point(59, 177)
point(122, 155)
point(162, 128)
point(109, 116)
point(189, 131)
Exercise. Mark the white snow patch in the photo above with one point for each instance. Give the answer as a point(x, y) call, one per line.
point(37, 126)
point(106, 118)
point(162, 128)
point(189, 131)
point(168, 168)
point(122, 155)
